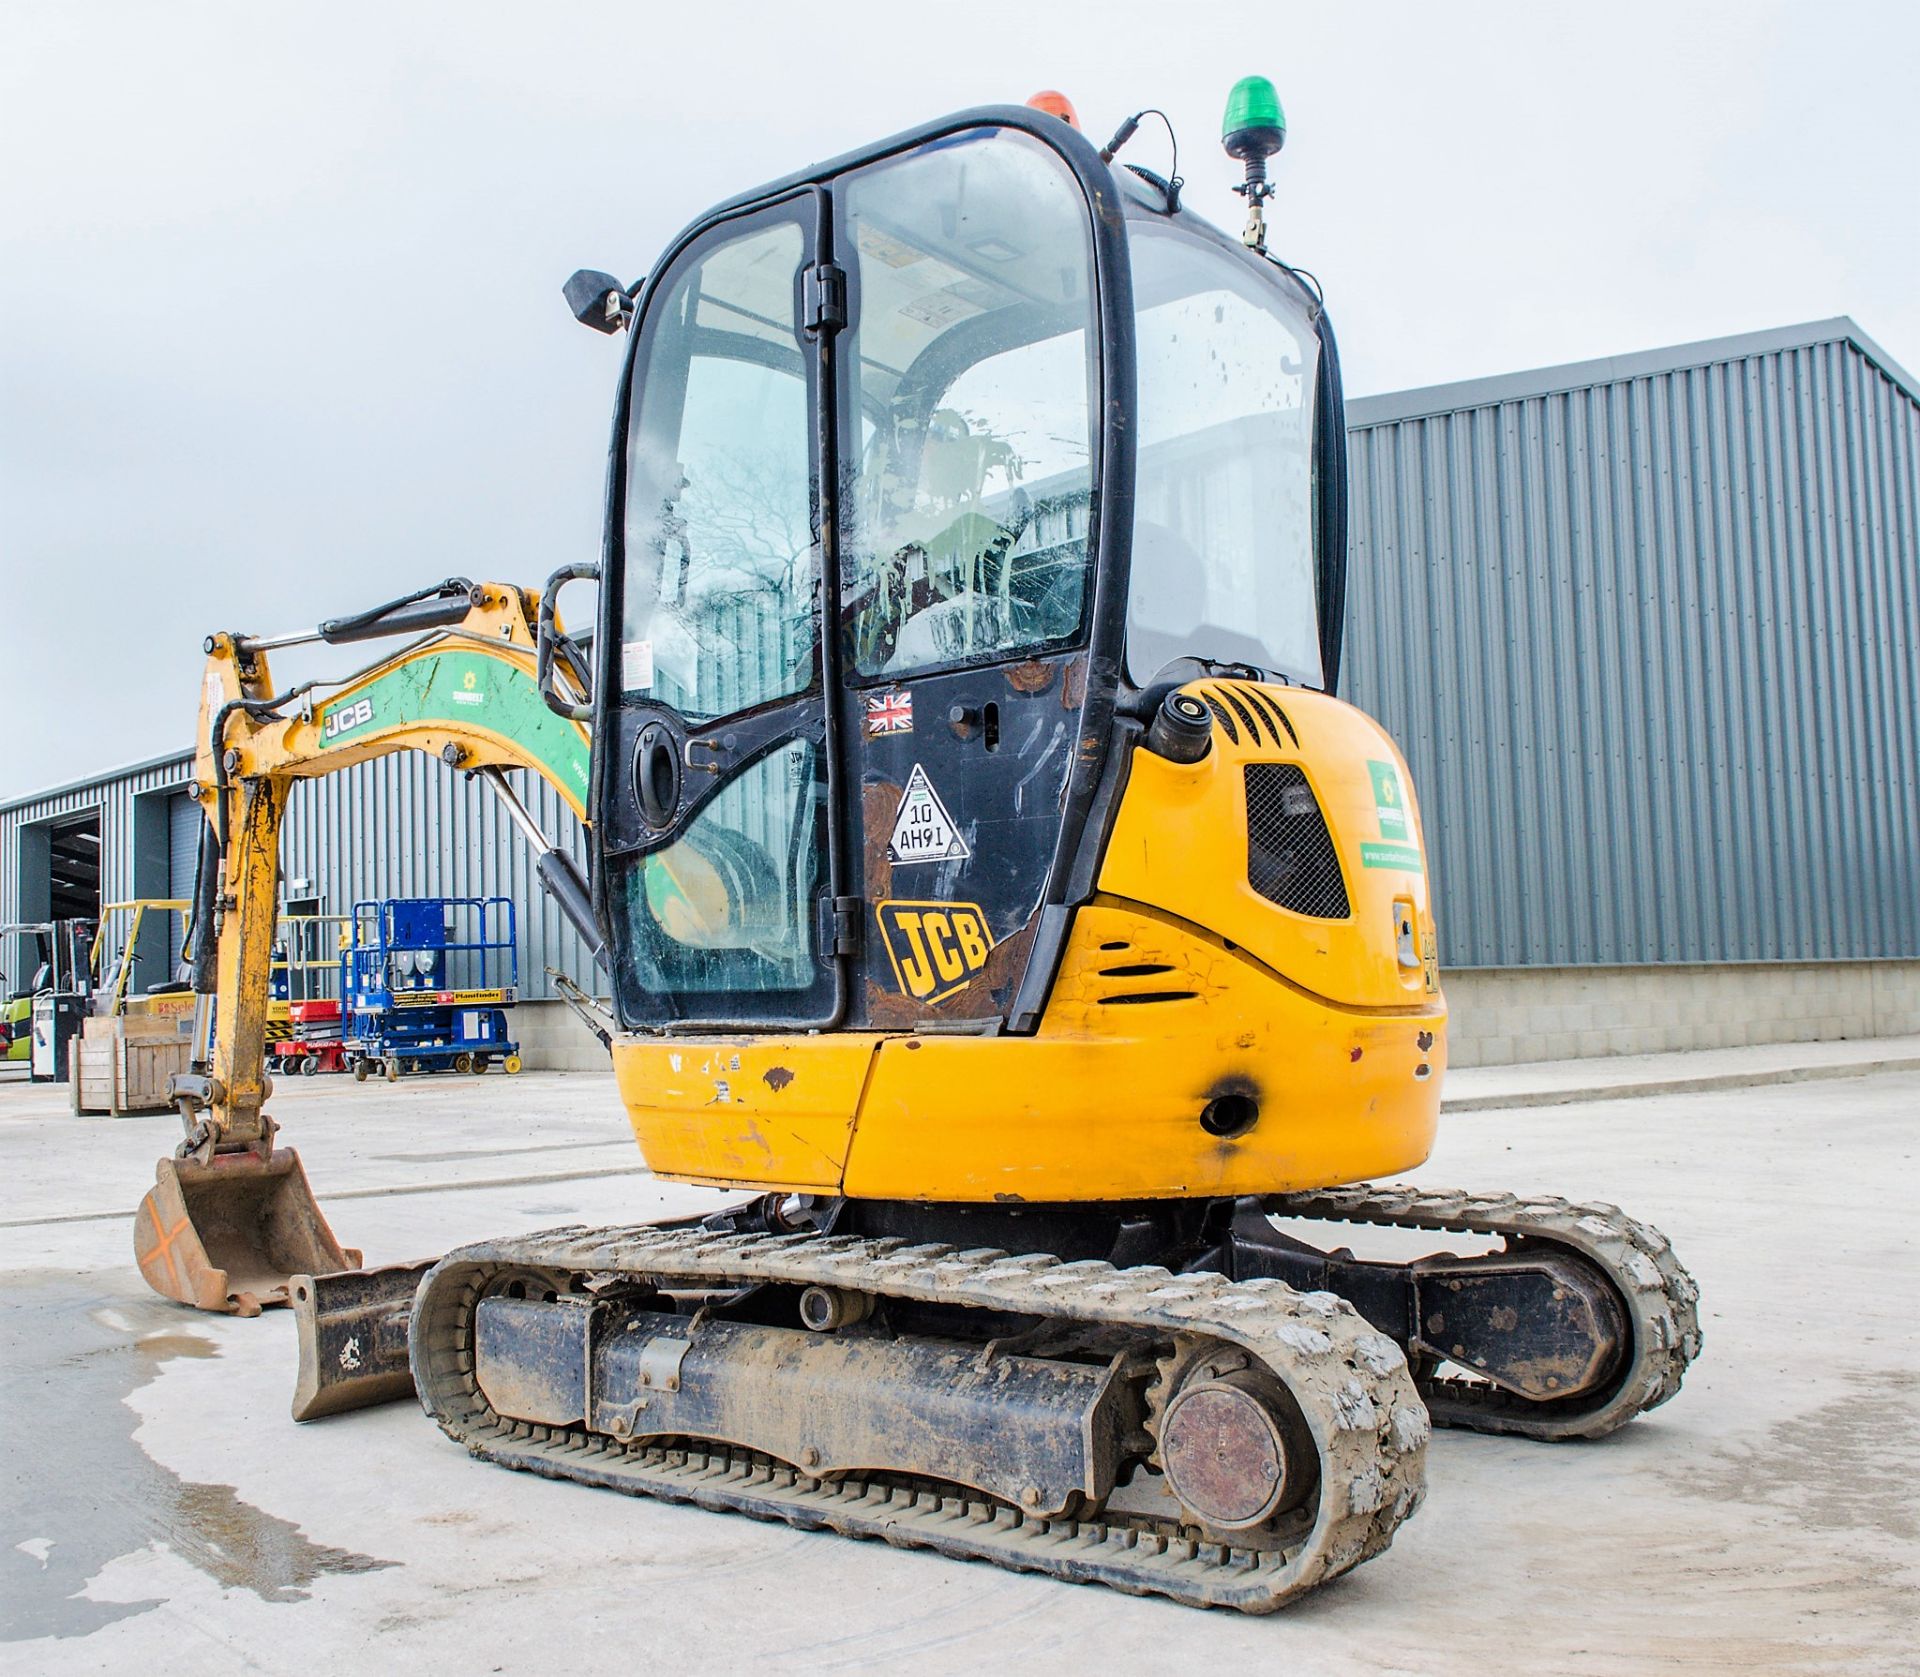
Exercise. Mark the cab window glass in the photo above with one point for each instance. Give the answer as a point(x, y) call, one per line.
point(719, 599)
point(727, 909)
point(718, 616)
point(1223, 530)
point(971, 348)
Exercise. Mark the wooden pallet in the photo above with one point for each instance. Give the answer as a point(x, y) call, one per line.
point(121, 1065)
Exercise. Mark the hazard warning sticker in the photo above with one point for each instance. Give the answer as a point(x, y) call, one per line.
point(923, 831)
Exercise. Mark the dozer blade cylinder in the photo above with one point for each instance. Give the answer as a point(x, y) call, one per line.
point(352, 1329)
point(230, 1236)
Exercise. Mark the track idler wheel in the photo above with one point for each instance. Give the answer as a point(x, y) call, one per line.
point(1232, 1446)
point(1236, 1451)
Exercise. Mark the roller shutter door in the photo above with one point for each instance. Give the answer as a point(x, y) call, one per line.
point(184, 822)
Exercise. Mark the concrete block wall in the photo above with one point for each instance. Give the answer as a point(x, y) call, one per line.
point(1507, 1016)
point(552, 1038)
point(1503, 1017)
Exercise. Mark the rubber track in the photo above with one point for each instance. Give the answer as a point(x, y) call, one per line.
point(1351, 1382)
point(1661, 1299)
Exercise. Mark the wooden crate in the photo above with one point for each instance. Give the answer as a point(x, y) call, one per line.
point(122, 1065)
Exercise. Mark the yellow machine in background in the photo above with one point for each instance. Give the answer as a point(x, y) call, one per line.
point(115, 951)
point(994, 888)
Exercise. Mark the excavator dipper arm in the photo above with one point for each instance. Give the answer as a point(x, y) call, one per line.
point(230, 1219)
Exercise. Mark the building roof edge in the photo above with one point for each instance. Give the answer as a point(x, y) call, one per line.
point(1385, 409)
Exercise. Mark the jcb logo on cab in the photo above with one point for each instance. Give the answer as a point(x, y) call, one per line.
point(935, 948)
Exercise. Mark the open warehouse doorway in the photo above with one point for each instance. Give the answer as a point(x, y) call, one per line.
point(58, 879)
point(59, 867)
point(73, 867)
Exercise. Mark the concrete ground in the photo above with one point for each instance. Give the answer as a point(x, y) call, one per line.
point(1618, 1076)
point(159, 1512)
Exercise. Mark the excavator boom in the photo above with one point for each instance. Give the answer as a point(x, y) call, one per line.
point(231, 1218)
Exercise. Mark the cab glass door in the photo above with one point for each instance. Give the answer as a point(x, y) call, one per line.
point(969, 410)
point(718, 828)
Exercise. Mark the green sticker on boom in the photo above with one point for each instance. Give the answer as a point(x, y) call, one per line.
point(1389, 803)
point(1405, 857)
point(467, 690)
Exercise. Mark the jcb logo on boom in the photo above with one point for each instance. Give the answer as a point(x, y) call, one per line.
point(935, 948)
point(343, 717)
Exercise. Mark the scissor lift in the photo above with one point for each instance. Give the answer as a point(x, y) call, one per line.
point(425, 984)
point(303, 1015)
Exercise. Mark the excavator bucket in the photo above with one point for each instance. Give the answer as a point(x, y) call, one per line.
point(230, 1236)
point(352, 1329)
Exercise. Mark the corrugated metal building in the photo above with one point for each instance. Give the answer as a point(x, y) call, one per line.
point(399, 826)
point(1648, 630)
point(104, 840)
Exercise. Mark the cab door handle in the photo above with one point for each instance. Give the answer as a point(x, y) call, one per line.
point(656, 776)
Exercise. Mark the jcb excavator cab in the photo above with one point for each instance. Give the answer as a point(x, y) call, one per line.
point(952, 480)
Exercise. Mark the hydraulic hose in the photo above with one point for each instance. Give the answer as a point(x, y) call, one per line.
point(203, 948)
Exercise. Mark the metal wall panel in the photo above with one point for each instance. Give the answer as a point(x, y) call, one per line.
point(399, 826)
point(1650, 641)
point(185, 826)
point(409, 826)
point(1648, 631)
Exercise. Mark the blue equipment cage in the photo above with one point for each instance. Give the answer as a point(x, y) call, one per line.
point(425, 983)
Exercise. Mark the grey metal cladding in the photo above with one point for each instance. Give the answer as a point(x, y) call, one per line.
point(409, 826)
point(1651, 645)
point(405, 825)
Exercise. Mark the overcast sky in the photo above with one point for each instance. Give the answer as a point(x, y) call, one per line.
point(280, 324)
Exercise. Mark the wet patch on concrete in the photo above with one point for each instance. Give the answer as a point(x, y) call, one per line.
point(80, 1493)
point(1849, 1465)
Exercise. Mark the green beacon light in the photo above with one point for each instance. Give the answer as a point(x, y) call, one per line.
point(1253, 129)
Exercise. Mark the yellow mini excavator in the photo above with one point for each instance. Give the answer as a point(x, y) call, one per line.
point(991, 884)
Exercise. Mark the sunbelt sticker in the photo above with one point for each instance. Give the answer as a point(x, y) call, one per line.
point(1389, 802)
point(1405, 857)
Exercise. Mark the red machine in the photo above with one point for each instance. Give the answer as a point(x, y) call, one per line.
point(312, 1044)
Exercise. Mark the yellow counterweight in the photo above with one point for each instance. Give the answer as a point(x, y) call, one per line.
point(1201, 1038)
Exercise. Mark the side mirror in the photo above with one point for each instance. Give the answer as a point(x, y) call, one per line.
point(555, 650)
point(597, 300)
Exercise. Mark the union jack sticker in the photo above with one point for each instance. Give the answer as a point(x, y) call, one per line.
point(890, 713)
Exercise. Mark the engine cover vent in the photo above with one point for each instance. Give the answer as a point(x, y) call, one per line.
point(1290, 856)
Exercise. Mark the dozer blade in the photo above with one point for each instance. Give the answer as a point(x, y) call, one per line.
point(230, 1236)
point(352, 1328)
